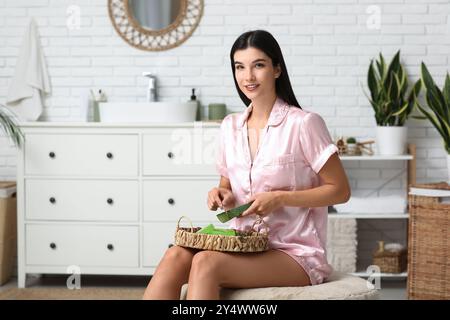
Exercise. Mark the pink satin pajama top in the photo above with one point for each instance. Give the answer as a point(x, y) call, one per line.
point(294, 146)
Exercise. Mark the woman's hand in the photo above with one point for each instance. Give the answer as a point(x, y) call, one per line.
point(264, 203)
point(220, 198)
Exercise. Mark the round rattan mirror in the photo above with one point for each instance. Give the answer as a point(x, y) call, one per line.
point(155, 25)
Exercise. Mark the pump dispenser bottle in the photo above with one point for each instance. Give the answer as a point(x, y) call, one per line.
point(198, 116)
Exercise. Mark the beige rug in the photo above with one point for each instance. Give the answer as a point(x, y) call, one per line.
point(76, 294)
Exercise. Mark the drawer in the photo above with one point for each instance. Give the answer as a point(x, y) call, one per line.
point(156, 240)
point(167, 200)
point(88, 200)
point(81, 154)
point(180, 152)
point(82, 245)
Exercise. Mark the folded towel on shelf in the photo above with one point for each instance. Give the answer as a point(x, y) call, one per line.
point(384, 204)
point(31, 79)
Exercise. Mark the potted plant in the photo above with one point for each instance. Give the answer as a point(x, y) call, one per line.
point(351, 145)
point(9, 125)
point(388, 86)
point(439, 105)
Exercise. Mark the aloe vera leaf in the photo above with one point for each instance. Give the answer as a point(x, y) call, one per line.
point(233, 213)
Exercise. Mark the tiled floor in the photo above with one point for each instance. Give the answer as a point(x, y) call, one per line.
point(390, 289)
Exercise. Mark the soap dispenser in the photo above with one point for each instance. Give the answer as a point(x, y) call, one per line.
point(100, 97)
point(198, 116)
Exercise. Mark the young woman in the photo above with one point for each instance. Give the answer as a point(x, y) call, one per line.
point(283, 159)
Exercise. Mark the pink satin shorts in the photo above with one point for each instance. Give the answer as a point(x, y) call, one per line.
point(317, 271)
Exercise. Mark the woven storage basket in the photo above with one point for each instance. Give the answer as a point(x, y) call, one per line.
point(390, 261)
point(429, 246)
point(244, 241)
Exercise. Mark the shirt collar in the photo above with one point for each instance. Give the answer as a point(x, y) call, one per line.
point(278, 113)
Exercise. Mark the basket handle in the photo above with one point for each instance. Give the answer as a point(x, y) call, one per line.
point(260, 220)
point(190, 222)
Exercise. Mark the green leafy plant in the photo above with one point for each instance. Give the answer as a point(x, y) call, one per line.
point(351, 140)
point(439, 104)
point(10, 126)
point(388, 85)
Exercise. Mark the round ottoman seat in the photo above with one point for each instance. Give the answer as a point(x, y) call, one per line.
point(339, 286)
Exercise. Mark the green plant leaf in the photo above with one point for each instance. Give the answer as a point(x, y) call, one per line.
point(382, 68)
point(446, 91)
point(10, 126)
point(372, 82)
point(394, 65)
point(401, 110)
point(419, 117)
point(403, 81)
point(395, 92)
point(414, 93)
point(443, 106)
point(433, 121)
point(434, 102)
point(426, 77)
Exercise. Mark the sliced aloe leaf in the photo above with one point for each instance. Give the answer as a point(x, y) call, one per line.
point(233, 213)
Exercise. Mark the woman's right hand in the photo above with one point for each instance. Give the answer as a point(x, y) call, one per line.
point(220, 198)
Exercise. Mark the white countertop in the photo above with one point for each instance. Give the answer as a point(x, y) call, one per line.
point(79, 124)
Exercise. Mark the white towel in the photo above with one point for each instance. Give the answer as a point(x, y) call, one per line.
point(31, 79)
point(384, 204)
point(342, 244)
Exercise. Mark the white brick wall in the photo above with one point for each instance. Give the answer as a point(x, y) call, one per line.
point(327, 47)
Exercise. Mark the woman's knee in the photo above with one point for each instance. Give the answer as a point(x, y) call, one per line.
point(178, 256)
point(207, 263)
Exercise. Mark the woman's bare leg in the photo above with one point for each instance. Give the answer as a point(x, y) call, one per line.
point(212, 270)
point(170, 275)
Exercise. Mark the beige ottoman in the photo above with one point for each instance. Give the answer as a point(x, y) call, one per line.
point(339, 286)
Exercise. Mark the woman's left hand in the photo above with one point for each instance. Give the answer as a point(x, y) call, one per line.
point(264, 203)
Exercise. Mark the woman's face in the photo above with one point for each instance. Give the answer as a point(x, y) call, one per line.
point(255, 73)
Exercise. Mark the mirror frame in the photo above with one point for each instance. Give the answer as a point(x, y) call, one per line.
point(142, 38)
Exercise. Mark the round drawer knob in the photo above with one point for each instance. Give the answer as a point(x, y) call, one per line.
point(110, 201)
point(109, 155)
point(53, 245)
point(170, 245)
point(110, 247)
point(171, 201)
point(52, 200)
point(52, 155)
point(170, 155)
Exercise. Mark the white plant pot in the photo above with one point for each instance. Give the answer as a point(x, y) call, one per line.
point(391, 140)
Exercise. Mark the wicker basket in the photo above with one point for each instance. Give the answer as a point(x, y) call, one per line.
point(429, 246)
point(244, 241)
point(390, 261)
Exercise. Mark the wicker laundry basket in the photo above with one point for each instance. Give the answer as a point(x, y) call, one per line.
point(244, 241)
point(429, 246)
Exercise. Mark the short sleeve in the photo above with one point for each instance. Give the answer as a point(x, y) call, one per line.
point(221, 163)
point(316, 141)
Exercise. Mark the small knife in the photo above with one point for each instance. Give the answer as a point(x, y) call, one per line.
point(233, 213)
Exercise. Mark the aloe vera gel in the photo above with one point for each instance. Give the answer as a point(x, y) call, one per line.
point(210, 229)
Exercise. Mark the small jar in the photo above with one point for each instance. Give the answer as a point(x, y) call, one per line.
point(217, 111)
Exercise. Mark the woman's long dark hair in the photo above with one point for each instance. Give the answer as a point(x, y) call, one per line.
point(265, 42)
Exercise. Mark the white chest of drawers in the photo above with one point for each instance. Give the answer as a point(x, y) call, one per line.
point(105, 198)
